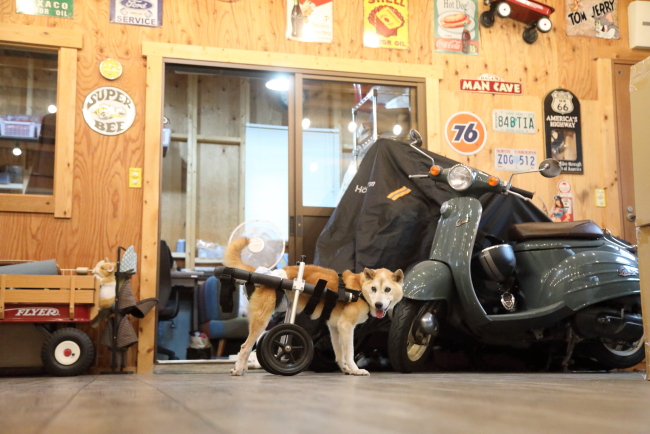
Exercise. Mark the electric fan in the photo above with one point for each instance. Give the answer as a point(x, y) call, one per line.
point(265, 243)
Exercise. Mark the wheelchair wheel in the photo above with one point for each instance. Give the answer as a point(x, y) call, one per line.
point(286, 349)
point(260, 358)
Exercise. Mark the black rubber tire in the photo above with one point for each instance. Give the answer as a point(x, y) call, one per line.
point(404, 316)
point(609, 360)
point(81, 365)
point(487, 19)
point(260, 358)
point(302, 350)
point(530, 35)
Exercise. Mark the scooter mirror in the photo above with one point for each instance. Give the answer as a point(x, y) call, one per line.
point(550, 168)
point(416, 139)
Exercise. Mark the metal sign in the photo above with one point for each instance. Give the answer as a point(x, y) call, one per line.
point(386, 25)
point(465, 133)
point(563, 131)
point(509, 121)
point(47, 8)
point(109, 111)
point(455, 26)
point(137, 12)
point(490, 86)
point(110, 69)
point(310, 20)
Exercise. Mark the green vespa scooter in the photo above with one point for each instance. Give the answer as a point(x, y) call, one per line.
point(564, 283)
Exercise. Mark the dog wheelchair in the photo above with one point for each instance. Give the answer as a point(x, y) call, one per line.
point(286, 349)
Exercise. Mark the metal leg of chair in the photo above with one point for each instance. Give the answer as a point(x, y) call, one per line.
point(221, 347)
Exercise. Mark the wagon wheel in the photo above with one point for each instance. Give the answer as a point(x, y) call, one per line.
point(67, 352)
point(286, 349)
point(530, 35)
point(544, 25)
point(503, 9)
point(487, 19)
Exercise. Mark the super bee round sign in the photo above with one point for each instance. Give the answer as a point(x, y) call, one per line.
point(109, 111)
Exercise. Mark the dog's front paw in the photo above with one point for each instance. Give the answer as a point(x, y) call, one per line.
point(361, 372)
point(237, 372)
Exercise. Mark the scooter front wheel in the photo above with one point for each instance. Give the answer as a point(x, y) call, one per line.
point(409, 345)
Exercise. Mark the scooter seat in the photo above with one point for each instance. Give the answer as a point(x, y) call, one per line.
point(585, 229)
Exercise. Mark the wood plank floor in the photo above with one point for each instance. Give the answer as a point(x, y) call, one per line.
point(327, 403)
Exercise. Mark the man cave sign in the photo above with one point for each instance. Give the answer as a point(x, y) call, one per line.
point(109, 111)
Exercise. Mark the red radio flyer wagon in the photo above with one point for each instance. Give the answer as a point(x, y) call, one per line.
point(54, 304)
point(534, 14)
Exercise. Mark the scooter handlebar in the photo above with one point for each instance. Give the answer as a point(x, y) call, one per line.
point(524, 193)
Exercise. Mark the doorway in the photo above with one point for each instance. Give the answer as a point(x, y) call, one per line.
point(621, 74)
point(258, 143)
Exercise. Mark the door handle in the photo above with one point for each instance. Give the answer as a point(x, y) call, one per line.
point(631, 217)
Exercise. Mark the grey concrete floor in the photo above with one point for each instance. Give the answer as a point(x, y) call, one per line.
point(327, 403)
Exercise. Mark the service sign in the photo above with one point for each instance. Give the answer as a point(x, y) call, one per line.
point(109, 111)
point(563, 131)
point(490, 86)
point(509, 121)
point(455, 26)
point(310, 20)
point(47, 8)
point(515, 160)
point(386, 24)
point(146, 13)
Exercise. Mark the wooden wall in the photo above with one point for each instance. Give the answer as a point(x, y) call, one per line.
point(106, 213)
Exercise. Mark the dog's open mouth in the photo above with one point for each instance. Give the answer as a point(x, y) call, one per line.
point(380, 313)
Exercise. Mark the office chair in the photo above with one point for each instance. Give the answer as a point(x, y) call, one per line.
point(216, 323)
point(168, 310)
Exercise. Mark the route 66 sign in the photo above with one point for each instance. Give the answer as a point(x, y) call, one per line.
point(563, 131)
point(562, 101)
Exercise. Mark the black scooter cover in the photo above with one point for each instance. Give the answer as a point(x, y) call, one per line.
point(387, 220)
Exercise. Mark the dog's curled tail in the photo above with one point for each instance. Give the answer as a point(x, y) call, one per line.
point(232, 255)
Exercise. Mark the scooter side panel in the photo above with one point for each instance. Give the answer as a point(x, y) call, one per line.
point(429, 280)
point(453, 245)
point(579, 276)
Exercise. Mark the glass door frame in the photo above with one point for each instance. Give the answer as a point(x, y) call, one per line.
point(158, 54)
point(298, 210)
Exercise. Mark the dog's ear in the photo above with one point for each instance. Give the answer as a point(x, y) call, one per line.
point(368, 274)
point(110, 267)
point(398, 276)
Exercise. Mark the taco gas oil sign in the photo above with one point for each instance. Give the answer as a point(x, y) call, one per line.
point(109, 111)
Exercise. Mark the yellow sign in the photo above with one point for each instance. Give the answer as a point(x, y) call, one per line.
point(386, 24)
point(110, 69)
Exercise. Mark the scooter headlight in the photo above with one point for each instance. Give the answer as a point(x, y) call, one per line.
point(460, 177)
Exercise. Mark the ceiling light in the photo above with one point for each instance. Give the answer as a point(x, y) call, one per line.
point(51, 108)
point(352, 126)
point(280, 84)
point(17, 151)
point(306, 123)
point(397, 129)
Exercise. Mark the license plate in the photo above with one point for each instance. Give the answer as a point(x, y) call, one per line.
point(515, 160)
point(508, 121)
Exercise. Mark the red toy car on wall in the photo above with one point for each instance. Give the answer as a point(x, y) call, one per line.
point(534, 14)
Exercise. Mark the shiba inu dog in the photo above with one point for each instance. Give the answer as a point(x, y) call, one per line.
point(381, 289)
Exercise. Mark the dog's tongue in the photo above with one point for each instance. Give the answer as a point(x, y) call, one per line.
point(379, 313)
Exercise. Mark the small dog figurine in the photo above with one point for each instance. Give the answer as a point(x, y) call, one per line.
point(105, 271)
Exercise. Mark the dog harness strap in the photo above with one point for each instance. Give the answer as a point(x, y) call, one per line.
point(226, 297)
point(315, 297)
point(250, 288)
point(331, 298)
point(342, 289)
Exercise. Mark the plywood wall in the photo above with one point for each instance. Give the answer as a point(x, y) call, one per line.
point(107, 214)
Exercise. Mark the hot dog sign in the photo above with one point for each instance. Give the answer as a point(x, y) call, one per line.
point(455, 26)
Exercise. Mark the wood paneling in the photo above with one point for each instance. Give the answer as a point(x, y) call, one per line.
point(106, 213)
